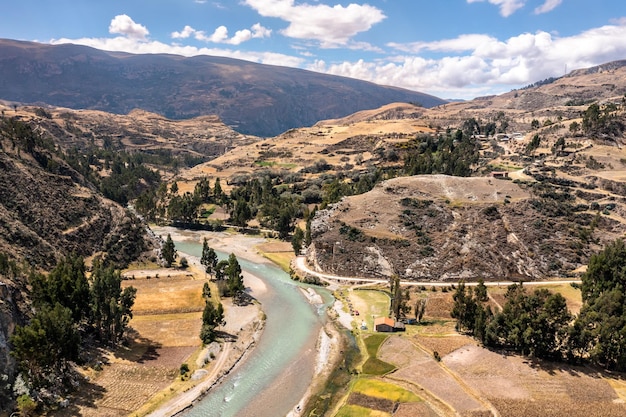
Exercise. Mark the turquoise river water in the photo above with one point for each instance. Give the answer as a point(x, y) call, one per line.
point(276, 374)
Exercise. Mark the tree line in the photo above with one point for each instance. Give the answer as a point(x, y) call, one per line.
point(539, 324)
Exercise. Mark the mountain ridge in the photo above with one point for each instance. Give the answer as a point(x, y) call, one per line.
point(253, 98)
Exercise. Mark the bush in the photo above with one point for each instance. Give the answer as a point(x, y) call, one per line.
point(184, 368)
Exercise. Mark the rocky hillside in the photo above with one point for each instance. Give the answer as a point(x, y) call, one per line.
point(47, 211)
point(177, 143)
point(451, 228)
point(256, 99)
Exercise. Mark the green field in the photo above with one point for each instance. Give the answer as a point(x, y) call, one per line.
point(385, 390)
point(373, 365)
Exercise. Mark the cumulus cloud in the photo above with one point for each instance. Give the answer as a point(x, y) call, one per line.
point(486, 65)
point(329, 25)
point(220, 35)
point(124, 25)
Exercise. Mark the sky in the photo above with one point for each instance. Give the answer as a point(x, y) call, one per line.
point(453, 49)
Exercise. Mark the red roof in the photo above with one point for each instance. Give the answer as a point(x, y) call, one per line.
point(384, 320)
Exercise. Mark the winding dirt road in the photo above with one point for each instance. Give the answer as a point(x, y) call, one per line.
point(302, 265)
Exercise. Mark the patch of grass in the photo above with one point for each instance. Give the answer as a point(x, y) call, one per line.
point(206, 212)
point(282, 259)
point(376, 302)
point(264, 163)
point(373, 365)
point(288, 165)
point(380, 389)
point(373, 342)
point(358, 411)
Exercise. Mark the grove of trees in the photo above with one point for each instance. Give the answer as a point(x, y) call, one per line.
point(539, 324)
point(69, 307)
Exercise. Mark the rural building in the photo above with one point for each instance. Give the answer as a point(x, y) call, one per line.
point(500, 174)
point(386, 324)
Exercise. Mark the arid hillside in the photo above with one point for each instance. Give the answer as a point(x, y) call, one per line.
point(183, 142)
point(451, 228)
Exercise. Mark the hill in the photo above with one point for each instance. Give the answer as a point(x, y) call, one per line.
point(255, 99)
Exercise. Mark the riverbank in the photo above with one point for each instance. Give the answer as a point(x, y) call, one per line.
point(321, 357)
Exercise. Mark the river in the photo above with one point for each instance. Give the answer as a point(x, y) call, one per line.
point(279, 370)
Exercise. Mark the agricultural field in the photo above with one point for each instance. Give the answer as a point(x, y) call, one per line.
point(164, 334)
point(440, 372)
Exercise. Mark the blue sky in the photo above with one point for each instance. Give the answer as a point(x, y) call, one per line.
point(448, 48)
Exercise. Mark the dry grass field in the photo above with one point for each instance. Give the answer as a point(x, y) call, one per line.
point(163, 335)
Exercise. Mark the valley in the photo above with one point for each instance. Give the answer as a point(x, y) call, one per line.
point(523, 187)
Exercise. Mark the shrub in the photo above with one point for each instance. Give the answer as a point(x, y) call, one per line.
point(184, 368)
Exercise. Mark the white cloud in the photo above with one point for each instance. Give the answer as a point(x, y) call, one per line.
point(329, 25)
point(507, 7)
point(184, 34)
point(134, 46)
point(124, 25)
point(220, 35)
point(489, 65)
point(548, 6)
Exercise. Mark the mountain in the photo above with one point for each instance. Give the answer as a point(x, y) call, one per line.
point(256, 99)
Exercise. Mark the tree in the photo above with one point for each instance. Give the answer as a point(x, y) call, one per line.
point(241, 213)
point(307, 234)
point(534, 124)
point(212, 317)
point(206, 290)
point(209, 258)
point(111, 306)
point(66, 284)
point(464, 309)
point(44, 347)
point(202, 191)
point(534, 324)
point(420, 309)
point(220, 270)
point(600, 328)
point(218, 194)
point(533, 144)
point(234, 277)
point(169, 251)
point(297, 240)
point(480, 290)
point(396, 296)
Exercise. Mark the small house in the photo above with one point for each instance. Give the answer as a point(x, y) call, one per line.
point(384, 324)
